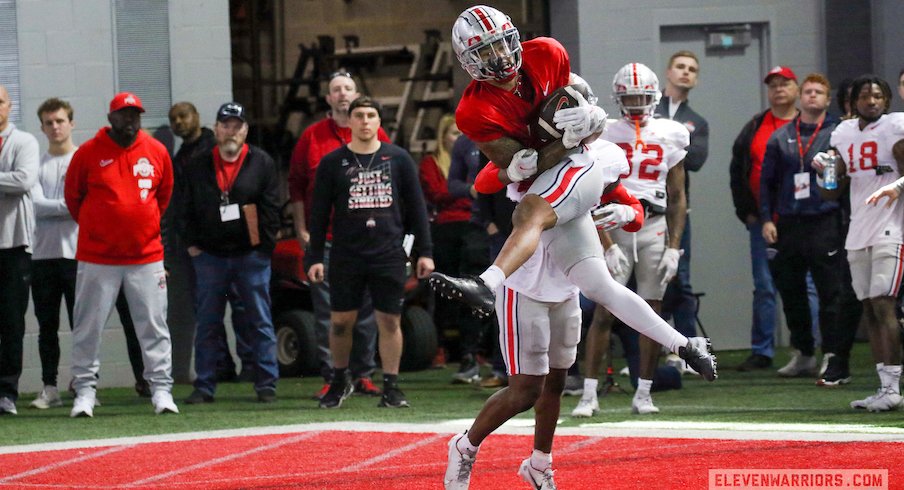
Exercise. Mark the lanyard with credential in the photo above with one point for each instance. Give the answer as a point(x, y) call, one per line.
point(227, 182)
point(803, 151)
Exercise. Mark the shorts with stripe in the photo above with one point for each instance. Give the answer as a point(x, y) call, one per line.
point(535, 336)
point(877, 271)
point(648, 244)
point(571, 189)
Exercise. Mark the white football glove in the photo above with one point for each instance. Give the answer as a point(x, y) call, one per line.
point(820, 160)
point(612, 216)
point(616, 260)
point(579, 122)
point(523, 165)
point(668, 265)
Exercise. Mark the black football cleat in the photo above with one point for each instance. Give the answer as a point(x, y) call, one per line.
point(469, 290)
point(699, 357)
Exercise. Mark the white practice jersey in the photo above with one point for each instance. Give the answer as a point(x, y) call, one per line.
point(540, 278)
point(867, 154)
point(665, 142)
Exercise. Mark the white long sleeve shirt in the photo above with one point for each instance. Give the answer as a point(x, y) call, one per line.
point(56, 233)
point(19, 157)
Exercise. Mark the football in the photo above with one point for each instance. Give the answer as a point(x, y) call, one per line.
point(543, 128)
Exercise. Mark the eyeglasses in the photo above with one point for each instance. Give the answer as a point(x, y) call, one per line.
point(339, 73)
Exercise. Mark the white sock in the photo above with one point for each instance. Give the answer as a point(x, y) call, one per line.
point(464, 445)
point(590, 385)
point(643, 386)
point(880, 369)
point(493, 277)
point(540, 460)
point(893, 376)
point(592, 277)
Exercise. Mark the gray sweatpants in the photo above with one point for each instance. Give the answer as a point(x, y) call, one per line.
point(96, 288)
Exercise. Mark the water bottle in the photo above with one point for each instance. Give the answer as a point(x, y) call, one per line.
point(829, 177)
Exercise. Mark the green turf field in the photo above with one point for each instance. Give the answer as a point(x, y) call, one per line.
point(760, 397)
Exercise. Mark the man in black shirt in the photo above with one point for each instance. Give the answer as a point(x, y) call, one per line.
point(370, 192)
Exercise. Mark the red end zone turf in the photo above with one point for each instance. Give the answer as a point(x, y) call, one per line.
point(359, 460)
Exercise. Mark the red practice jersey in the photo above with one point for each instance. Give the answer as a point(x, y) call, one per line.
point(487, 112)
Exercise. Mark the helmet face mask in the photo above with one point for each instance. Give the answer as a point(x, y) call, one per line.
point(487, 44)
point(635, 89)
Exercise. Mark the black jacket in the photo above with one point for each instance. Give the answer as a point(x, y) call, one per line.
point(168, 227)
point(199, 222)
point(741, 165)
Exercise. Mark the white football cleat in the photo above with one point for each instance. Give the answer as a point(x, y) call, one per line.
point(459, 466)
point(588, 406)
point(643, 404)
point(888, 400)
point(163, 402)
point(866, 401)
point(84, 403)
point(540, 480)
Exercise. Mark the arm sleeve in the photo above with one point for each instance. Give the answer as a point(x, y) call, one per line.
point(268, 207)
point(186, 210)
point(321, 205)
point(24, 172)
point(739, 186)
point(47, 208)
point(416, 210)
point(699, 147)
point(770, 179)
point(435, 190)
point(621, 195)
point(165, 191)
point(76, 184)
point(487, 181)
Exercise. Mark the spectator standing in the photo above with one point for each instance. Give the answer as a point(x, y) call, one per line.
point(56, 237)
point(746, 166)
point(679, 301)
point(370, 191)
point(460, 243)
point(117, 187)
point(805, 230)
point(186, 124)
point(315, 142)
point(229, 221)
point(18, 173)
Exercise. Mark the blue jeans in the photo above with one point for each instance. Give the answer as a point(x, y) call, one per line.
point(762, 336)
point(251, 275)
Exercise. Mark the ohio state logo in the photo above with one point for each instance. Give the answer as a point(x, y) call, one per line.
point(143, 168)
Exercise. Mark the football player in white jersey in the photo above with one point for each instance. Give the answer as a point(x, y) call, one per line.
point(655, 149)
point(871, 147)
point(539, 329)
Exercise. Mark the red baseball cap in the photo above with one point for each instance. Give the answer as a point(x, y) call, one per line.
point(125, 99)
point(782, 71)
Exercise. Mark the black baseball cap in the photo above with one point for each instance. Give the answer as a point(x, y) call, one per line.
point(231, 109)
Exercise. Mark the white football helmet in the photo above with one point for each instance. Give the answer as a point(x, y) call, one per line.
point(487, 44)
point(635, 90)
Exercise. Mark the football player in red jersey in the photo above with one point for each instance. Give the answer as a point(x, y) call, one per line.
point(510, 80)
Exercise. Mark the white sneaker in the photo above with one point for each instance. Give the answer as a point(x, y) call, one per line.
point(799, 365)
point(7, 407)
point(643, 404)
point(540, 480)
point(459, 466)
point(588, 406)
point(887, 400)
point(866, 401)
point(84, 403)
point(49, 397)
point(163, 402)
point(825, 364)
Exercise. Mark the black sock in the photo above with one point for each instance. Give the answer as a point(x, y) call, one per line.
point(340, 375)
point(390, 380)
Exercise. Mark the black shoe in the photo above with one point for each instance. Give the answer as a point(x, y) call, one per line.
point(393, 398)
point(143, 389)
point(337, 393)
point(198, 397)
point(699, 357)
point(266, 395)
point(469, 290)
point(837, 373)
point(754, 362)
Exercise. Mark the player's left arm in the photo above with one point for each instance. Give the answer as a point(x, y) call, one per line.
point(676, 211)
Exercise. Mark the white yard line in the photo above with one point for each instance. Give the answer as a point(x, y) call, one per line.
point(393, 453)
point(60, 464)
point(650, 428)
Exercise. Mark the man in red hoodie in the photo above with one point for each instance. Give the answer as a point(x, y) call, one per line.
point(117, 188)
